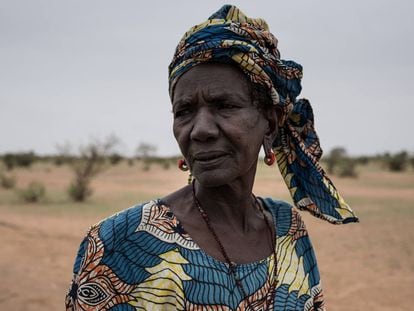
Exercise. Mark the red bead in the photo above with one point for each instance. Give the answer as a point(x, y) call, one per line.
point(182, 165)
point(270, 158)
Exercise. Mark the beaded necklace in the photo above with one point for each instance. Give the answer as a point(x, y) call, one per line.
point(232, 265)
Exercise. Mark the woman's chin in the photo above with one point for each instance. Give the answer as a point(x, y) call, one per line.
point(214, 178)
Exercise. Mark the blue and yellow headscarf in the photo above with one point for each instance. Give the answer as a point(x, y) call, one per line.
point(229, 36)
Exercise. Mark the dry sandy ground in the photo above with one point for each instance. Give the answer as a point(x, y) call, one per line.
point(365, 266)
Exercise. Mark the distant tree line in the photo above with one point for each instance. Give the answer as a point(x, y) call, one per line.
point(86, 163)
point(338, 162)
point(98, 155)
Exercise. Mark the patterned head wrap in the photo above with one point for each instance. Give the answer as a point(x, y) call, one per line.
point(228, 36)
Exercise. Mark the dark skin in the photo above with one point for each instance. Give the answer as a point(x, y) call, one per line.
point(220, 130)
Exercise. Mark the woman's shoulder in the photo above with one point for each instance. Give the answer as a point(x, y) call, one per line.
point(146, 217)
point(275, 205)
point(127, 241)
point(285, 216)
point(122, 224)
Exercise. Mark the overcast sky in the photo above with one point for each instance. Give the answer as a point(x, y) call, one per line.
point(72, 70)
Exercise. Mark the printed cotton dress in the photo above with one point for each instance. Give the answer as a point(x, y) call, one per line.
point(142, 259)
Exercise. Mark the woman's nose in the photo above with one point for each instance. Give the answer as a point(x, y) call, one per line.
point(205, 126)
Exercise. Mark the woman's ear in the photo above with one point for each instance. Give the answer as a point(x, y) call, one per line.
point(271, 115)
point(271, 133)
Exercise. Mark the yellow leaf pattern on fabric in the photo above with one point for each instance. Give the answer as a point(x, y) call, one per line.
point(164, 287)
point(290, 269)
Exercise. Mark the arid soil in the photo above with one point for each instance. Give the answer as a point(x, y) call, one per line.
point(365, 266)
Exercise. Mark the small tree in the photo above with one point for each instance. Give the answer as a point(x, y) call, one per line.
point(363, 160)
point(91, 161)
point(347, 168)
point(144, 152)
point(398, 162)
point(340, 163)
point(63, 155)
point(334, 158)
point(9, 161)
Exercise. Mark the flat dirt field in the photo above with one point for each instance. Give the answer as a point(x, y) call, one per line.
point(365, 266)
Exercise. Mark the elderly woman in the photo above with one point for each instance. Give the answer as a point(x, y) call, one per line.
point(214, 245)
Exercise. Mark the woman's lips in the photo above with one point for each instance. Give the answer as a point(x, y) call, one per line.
point(211, 157)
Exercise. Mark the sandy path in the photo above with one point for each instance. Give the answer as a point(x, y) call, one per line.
point(36, 259)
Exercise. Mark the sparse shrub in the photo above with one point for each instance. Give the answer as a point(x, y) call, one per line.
point(145, 152)
point(85, 168)
point(398, 162)
point(347, 168)
point(92, 160)
point(79, 191)
point(130, 162)
point(334, 158)
point(9, 161)
point(115, 158)
point(340, 163)
point(384, 160)
point(22, 159)
point(363, 160)
point(146, 164)
point(64, 155)
point(7, 182)
point(25, 159)
point(34, 192)
point(59, 160)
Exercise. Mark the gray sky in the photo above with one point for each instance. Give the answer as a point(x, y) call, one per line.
point(72, 70)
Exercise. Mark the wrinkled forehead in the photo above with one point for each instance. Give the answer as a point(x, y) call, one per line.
point(212, 80)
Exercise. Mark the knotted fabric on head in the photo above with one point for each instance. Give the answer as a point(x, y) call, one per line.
point(229, 36)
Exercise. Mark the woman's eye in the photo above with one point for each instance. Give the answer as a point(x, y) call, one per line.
point(182, 112)
point(226, 106)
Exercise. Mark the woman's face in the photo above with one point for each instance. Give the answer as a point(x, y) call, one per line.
point(217, 126)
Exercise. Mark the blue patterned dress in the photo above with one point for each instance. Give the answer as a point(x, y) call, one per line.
point(142, 259)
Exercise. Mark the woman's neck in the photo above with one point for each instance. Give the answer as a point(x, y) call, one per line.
point(231, 204)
